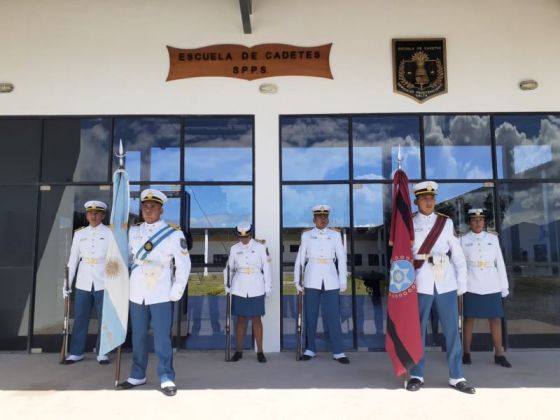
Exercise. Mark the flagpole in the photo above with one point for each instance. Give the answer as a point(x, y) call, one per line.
point(121, 154)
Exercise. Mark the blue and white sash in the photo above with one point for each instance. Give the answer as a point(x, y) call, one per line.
point(151, 244)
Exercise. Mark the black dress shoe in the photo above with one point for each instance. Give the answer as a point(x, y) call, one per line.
point(128, 385)
point(414, 384)
point(467, 359)
point(103, 362)
point(502, 361)
point(306, 357)
point(169, 391)
point(463, 386)
point(237, 356)
point(261, 357)
point(344, 360)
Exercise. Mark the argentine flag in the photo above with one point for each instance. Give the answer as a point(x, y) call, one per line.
point(115, 299)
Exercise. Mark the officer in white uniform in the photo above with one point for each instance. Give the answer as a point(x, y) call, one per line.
point(323, 257)
point(250, 281)
point(154, 245)
point(87, 255)
point(441, 278)
point(487, 284)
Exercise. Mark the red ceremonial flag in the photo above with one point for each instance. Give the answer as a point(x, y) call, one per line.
point(403, 340)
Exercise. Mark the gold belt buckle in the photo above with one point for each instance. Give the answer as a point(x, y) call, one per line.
point(91, 260)
point(482, 264)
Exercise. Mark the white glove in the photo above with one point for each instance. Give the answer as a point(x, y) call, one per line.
point(343, 288)
point(298, 287)
point(505, 293)
point(227, 289)
point(66, 292)
point(268, 292)
point(461, 292)
point(175, 294)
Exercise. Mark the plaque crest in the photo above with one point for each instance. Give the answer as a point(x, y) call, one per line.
point(419, 68)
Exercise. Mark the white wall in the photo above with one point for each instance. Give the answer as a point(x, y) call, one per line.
point(109, 57)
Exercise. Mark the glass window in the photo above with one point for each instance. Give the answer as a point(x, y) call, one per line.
point(219, 149)
point(76, 149)
point(21, 150)
point(528, 146)
point(457, 147)
point(530, 239)
point(298, 200)
point(62, 212)
point(455, 201)
point(152, 148)
point(18, 217)
point(375, 146)
point(220, 206)
point(314, 148)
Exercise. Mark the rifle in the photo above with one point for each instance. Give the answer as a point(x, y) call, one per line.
point(64, 348)
point(118, 367)
point(228, 316)
point(179, 310)
point(461, 318)
point(299, 328)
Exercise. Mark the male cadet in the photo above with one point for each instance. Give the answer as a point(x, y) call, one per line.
point(89, 248)
point(320, 248)
point(441, 276)
point(153, 246)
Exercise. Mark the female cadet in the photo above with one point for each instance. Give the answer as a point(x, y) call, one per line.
point(250, 281)
point(487, 284)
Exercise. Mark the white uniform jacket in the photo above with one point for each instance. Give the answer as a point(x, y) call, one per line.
point(318, 251)
point(150, 280)
point(486, 270)
point(448, 273)
point(88, 252)
point(249, 270)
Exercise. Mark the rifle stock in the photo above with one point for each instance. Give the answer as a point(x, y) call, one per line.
point(64, 348)
point(299, 329)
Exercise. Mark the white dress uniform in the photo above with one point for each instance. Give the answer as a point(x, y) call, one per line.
point(485, 263)
point(446, 274)
point(319, 250)
point(88, 252)
point(250, 270)
point(150, 280)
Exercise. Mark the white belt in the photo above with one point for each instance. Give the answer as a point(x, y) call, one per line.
point(246, 270)
point(479, 264)
point(92, 261)
point(151, 262)
point(320, 260)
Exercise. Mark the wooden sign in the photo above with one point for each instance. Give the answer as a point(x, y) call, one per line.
point(249, 63)
point(419, 68)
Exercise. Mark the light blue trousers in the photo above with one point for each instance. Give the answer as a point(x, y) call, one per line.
point(332, 313)
point(161, 317)
point(83, 301)
point(446, 305)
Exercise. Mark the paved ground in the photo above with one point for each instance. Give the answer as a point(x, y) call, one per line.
point(36, 387)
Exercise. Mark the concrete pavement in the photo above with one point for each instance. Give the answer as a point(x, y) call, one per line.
point(37, 387)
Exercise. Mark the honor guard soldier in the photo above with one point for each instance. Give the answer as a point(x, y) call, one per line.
point(250, 280)
point(441, 276)
point(154, 285)
point(487, 284)
point(322, 258)
point(87, 255)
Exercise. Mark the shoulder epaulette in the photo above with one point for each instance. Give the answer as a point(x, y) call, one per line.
point(306, 230)
point(493, 232)
point(80, 228)
point(441, 214)
point(261, 241)
point(336, 229)
point(174, 226)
